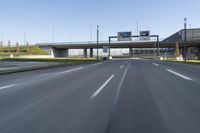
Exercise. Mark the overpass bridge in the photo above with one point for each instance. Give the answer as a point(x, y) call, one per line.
point(62, 49)
point(177, 39)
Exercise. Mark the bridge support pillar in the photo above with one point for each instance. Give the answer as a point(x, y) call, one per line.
point(91, 52)
point(130, 52)
point(85, 52)
point(67, 52)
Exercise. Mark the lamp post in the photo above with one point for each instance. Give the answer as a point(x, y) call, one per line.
point(185, 38)
point(91, 28)
point(53, 35)
point(97, 42)
point(24, 38)
point(137, 34)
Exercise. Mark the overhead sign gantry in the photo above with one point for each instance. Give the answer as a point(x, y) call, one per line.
point(127, 36)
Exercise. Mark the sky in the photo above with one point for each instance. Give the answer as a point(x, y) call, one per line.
point(73, 20)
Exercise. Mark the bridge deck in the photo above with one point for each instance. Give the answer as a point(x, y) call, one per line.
point(82, 45)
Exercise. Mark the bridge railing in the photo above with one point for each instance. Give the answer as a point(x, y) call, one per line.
point(100, 42)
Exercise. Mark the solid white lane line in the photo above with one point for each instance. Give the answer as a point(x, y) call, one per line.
point(8, 86)
point(155, 64)
point(101, 88)
point(120, 85)
point(121, 66)
point(178, 74)
point(71, 70)
point(97, 64)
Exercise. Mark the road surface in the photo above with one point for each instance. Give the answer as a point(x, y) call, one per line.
point(122, 96)
point(17, 65)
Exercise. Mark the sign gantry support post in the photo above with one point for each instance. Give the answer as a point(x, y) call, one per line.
point(157, 44)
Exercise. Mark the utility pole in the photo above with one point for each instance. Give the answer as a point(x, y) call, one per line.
point(97, 42)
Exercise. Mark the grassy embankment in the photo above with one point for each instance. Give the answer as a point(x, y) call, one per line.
point(195, 62)
point(55, 63)
point(21, 50)
point(21, 53)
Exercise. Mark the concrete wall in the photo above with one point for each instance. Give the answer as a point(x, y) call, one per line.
point(60, 52)
point(56, 52)
point(48, 49)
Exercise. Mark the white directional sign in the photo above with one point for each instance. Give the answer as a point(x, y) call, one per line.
point(124, 36)
point(144, 35)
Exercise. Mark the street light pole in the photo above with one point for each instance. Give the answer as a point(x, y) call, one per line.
point(1, 45)
point(24, 38)
point(109, 47)
point(137, 30)
point(185, 38)
point(158, 46)
point(97, 42)
point(53, 35)
point(2, 39)
point(91, 28)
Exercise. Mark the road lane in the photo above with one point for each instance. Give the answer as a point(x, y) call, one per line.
point(156, 101)
point(193, 70)
point(45, 101)
point(136, 98)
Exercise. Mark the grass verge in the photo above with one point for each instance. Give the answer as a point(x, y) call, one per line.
point(194, 62)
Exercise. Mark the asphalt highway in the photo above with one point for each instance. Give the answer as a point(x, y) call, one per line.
point(119, 96)
point(17, 65)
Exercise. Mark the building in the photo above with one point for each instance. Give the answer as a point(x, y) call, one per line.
point(192, 35)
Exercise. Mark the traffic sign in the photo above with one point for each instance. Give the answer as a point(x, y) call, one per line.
point(144, 35)
point(124, 36)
